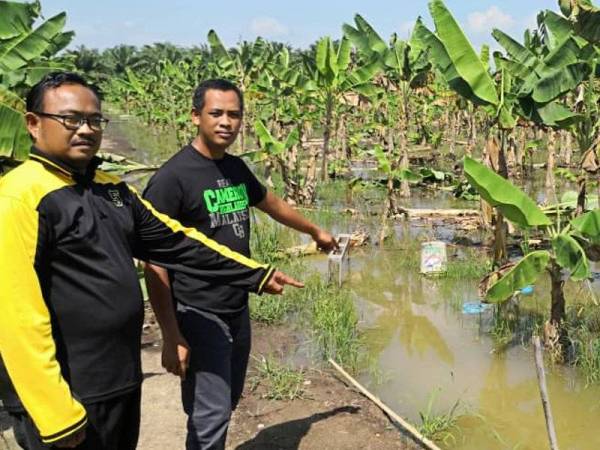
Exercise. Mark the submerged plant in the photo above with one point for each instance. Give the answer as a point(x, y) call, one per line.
point(440, 427)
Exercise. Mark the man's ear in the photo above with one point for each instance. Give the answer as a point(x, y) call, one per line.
point(32, 122)
point(195, 117)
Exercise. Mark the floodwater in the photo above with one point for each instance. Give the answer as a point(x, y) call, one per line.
point(425, 346)
point(426, 351)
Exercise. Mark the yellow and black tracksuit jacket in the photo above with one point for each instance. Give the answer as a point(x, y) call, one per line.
point(70, 302)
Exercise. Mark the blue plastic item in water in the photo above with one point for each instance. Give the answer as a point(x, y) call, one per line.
point(527, 290)
point(474, 307)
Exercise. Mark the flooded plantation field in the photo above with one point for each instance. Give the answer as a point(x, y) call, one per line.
point(467, 375)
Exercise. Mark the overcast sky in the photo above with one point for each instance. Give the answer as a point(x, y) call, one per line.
point(299, 23)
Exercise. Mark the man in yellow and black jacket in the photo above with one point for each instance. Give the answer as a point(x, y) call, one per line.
point(71, 308)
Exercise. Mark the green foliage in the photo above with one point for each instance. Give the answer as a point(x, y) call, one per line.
point(465, 60)
point(25, 57)
point(332, 317)
point(514, 204)
point(282, 382)
point(436, 426)
point(524, 273)
point(570, 256)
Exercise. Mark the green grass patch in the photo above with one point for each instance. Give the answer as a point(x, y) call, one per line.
point(333, 321)
point(441, 427)
point(282, 382)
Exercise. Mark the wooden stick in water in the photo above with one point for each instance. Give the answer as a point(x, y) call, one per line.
point(386, 409)
point(541, 375)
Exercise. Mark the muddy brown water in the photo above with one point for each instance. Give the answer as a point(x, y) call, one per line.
point(427, 351)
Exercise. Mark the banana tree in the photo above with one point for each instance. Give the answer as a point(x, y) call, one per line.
point(242, 64)
point(334, 75)
point(405, 67)
point(563, 63)
point(571, 243)
point(25, 57)
point(286, 155)
point(394, 174)
point(525, 86)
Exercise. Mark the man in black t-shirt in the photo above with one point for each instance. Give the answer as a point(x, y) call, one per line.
point(202, 186)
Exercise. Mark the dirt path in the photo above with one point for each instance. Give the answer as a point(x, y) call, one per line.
point(331, 416)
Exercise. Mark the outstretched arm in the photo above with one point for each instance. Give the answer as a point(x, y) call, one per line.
point(288, 216)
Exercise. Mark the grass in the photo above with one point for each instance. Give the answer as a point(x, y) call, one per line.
point(282, 382)
point(328, 311)
point(583, 324)
point(473, 265)
point(440, 427)
point(333, 320)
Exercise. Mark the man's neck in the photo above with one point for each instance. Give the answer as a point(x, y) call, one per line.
point(71, 166)
point(207, 151)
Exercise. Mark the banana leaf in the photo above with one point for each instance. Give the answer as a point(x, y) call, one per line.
point(14, 138)
point(570, 256)
point(406, 175)
point(376, 43)
point(556, 115)
point(18, 52)
point(588, 225)
point(359, 40)
point(524, 273)
point(217, 47)
point(323, 58)
point(343, 54)
point(514, 204)
point(558, 28)
point(441, 60)
point(516, 51)
point(586, 21)
point(17, 18)
point(461, 53)
point(561, 81)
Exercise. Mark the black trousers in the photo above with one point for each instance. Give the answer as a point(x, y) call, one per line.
point(113, 424)
point(220, 346)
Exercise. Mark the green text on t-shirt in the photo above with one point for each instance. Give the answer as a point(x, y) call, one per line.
point(226, 200)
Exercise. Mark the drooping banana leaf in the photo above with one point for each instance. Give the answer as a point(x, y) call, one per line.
point(524, 273)
point(570, 256)
point(588, 225)
point(514, 204)
point(561, 81)
point(462, 54)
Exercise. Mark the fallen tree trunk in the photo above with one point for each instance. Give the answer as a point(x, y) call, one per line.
point(444, 213)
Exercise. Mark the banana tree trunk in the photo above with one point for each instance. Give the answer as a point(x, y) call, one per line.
point(520, 151)
point(568, 148)
point(557, 312)
point(550, 192)
point(310, 181)
point(326, 137)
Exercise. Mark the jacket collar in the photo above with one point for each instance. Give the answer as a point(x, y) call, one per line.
point(54, 163)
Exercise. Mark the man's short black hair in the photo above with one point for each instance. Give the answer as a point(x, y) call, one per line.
point(35, 97)
point(218, 84)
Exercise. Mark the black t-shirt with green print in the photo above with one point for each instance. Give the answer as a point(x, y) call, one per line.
point(214, 197)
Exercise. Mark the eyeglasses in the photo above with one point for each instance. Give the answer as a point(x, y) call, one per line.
point(75, 121)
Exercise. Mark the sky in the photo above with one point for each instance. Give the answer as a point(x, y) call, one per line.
point(299, 23)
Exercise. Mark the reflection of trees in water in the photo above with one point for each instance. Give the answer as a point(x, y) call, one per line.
point(381, 277)
point(514, 409)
